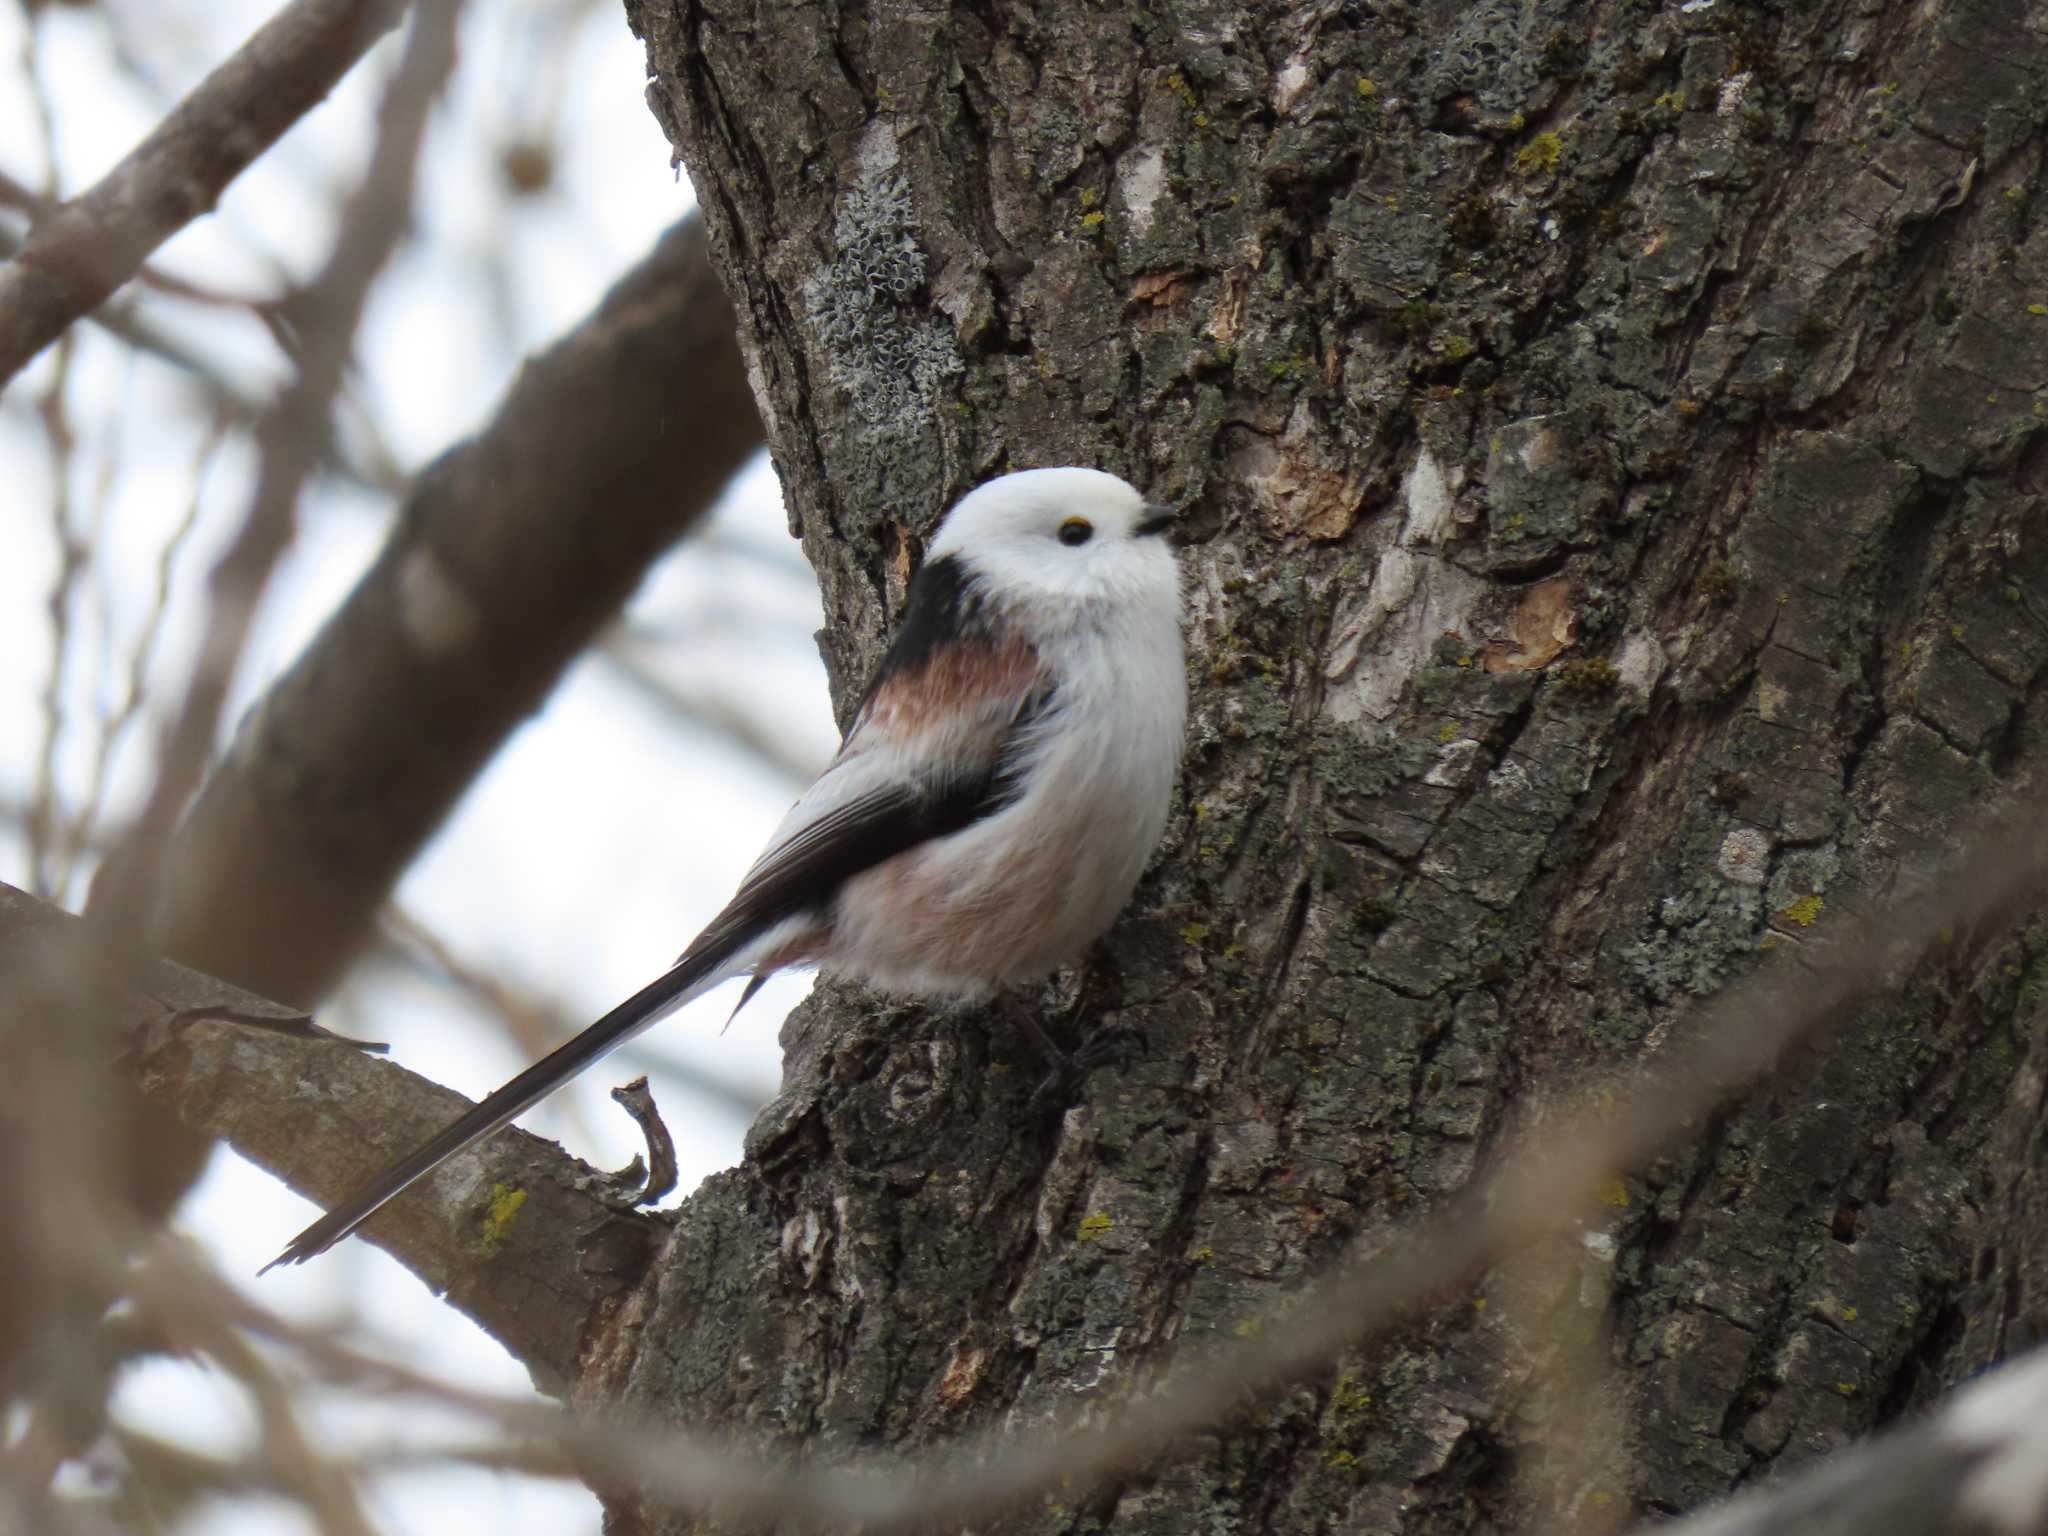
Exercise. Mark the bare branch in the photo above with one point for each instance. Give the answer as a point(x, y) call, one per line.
point(706, 708)
point(72, 554)
point(125, 320)
point(516, 1233)
point(97, 241)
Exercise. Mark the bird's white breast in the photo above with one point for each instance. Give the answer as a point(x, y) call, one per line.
point(1014, 896)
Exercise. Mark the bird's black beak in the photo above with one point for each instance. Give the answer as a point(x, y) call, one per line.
point(1157, 519)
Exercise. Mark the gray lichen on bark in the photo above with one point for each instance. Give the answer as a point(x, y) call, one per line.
point(1613, 434)
point(877, 342)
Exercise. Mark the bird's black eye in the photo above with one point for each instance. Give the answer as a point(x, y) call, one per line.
point(1076, 530)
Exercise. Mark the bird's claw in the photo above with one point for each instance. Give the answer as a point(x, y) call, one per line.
point(1110, 1046)
point(1065, 1072)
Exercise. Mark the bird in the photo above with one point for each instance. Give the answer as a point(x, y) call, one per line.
point(1004, 782)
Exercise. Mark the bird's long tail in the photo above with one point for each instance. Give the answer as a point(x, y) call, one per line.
point(689, 977)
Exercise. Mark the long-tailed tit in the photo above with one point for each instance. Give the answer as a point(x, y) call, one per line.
point(1003, 784)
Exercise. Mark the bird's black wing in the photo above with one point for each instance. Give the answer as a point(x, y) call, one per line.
point(800, 874)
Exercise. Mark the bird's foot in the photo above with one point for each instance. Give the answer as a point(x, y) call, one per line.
point(1062, 1072)
point(1056, 1089)
point(1112, 1045)
point(1066, 1071)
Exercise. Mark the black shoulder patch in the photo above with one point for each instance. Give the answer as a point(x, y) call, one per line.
point(805, 874)
point(1006, 781)
point(943, 603)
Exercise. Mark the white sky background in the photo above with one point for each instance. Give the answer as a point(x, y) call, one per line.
point(607, 832)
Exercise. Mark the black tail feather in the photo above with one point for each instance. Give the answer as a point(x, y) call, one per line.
point(509, 1102)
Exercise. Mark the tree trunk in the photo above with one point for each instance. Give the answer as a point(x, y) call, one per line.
point(1613, 439)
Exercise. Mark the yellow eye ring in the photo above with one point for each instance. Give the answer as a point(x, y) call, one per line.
point(1076, 531)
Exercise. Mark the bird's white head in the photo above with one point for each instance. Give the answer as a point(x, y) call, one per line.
point(1070, 537)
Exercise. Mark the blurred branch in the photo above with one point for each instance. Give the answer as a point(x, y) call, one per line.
point(328, 1493)
point(510, 555)
point(707, 709)
point(288, 443)
point(83, 829)
point(534, 1031)
point(91, 245)
point(124, 319)
point(72, 554)
point(1973, 1466)
point(176, 1477)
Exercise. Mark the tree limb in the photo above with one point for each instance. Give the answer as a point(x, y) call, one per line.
point(128, 322)
point(98, 240)
point(521, 1236)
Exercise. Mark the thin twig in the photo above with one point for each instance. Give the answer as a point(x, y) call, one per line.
point(39, 97)
point(72, 552)
point(14, 194)
point(85, 250)
point(660, 1172)
point(126, 320)
point(534, 1031)
point(83, 826)
point(744, 727)
point(300, 1467)
point(93, 543)
point(71, 555)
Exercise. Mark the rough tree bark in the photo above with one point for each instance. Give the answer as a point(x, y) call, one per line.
point(1614, 434)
